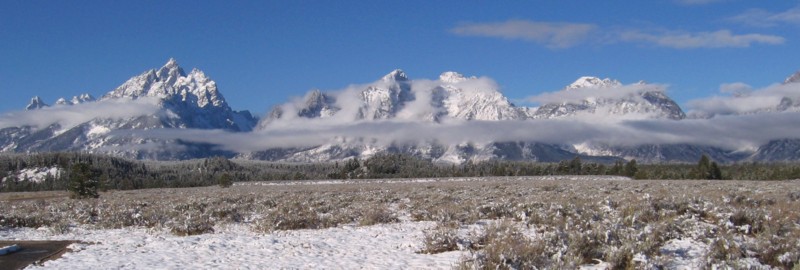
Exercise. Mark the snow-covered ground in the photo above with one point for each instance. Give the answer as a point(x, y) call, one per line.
point(384, 246)
point(37, 174)
point(575, 222)
point(442, 180)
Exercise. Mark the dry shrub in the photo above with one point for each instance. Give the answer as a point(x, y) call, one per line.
point(779, 252)
point(507, 248)
point(754, 221)
point(292, 217)
point(586, 247)
point(30, 221)
point(722, 249)
point(191, 225)
point(378, 215)
point(794, 196)
point(442, 238)
point(621, 259)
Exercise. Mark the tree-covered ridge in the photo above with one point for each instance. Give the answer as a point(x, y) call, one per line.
point(117, 173)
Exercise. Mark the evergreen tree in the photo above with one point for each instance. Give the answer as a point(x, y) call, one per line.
point(225, 180)
point(83, 181)
point(715, 172)
point(617, 168)
point(575, 166)
point(703, 168)
point(631, 169)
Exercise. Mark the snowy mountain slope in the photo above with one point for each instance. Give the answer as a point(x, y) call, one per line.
point(461, 101)
point(179, 101)
point(455, 96)
point(395, 96)
point(794, 78)
point(778, 150)
point(663, 153)
point(601, 99)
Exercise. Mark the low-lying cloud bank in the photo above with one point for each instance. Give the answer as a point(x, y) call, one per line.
point(72, 115)
point(745, 132)
point(740, 118)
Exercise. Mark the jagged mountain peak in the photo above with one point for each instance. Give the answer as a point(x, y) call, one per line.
point(593, 82)
point(453, 77)
point(794, 78)
point(168, 81)
point(395, 75)
point(62, 101)
point(170, 72)
point(82, 98)
point(36, 103)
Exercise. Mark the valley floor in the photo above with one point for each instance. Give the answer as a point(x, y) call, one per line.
point(547, 222)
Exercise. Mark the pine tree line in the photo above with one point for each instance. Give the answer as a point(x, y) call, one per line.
point(117, 173)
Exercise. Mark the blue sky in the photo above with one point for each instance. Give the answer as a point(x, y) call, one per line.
point(261, 53)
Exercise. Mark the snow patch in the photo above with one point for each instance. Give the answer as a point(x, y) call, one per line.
point(685, 253)
point(385, 246)
point(37, 175)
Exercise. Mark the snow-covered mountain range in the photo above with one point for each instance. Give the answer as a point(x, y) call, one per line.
point(158, 99)
point(454, 118)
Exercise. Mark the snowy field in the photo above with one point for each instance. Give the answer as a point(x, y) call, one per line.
point(384, 246)
point(510, 222)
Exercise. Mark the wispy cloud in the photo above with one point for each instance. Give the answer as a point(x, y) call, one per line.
point(549, 34)
point(692, 40)
point(559, 35)
point(697, 2)
point(764, 18)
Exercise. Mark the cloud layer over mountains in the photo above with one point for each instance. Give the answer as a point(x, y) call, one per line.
point(733, 122)
point(452, 110)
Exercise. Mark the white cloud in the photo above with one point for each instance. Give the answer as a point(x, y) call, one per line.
point(732, 132)
point(690, 40)
point(549, 34)
point(565, 35)
point(69, 116)
point(752, 101)
point(736, 89)
point(764, 18)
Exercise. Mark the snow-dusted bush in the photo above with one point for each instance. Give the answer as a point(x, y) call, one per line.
point(504, 246)
point(378, 215)
point(442, 238)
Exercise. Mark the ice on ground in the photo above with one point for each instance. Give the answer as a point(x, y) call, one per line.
point(384, 246)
